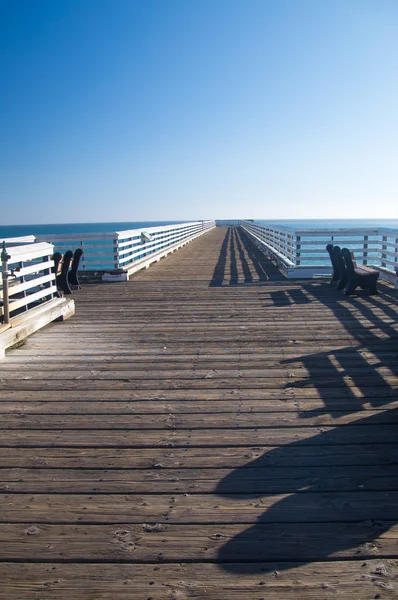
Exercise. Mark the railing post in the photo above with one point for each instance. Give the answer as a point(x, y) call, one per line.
point(116, 253)
point(82, 261)
point(383, 254)
point(365, 250)
point(396, 257)
point(48, 271)
point(22, 280)
point(5, 257)
point(298, 250)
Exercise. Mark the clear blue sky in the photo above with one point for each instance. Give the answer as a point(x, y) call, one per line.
point(115, 110)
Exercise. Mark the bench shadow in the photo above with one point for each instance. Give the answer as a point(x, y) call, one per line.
point(326, 492)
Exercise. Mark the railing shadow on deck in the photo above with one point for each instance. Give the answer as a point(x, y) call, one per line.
point(263, 266)
point(219, 270)
point(353, 383)
point(244, 258)
point(248, 277)
point(233, 264)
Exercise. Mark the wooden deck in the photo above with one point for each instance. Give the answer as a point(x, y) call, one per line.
point(206, 430)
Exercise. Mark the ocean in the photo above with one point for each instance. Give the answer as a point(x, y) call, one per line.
point(8, 231)
point(329, 223)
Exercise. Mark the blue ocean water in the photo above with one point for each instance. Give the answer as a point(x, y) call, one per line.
point(9, 231)
point(329, 223)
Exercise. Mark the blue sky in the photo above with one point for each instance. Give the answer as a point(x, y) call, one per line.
point(116, 110)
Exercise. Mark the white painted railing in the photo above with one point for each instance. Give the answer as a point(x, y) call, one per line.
point(277, 242)
point(126, 250)
point(18, 241)
point(28, 293)
point(27, 278)
point(302, 252)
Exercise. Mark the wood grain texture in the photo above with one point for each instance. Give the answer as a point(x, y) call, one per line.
point(360, 579)
point(205, 430)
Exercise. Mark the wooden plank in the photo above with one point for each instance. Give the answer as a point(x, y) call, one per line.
point(199, 508)
point(324, 395)
point(225, 457)
point(128, 383)
point(227, 319)
point(188, 362)
point(223, 543)
point(244, 347)
point(357, 579)
point(122, 438)
point(192, 421)
point(259, 480)
point(260, 408)
point(278, 376)
point(232, 336)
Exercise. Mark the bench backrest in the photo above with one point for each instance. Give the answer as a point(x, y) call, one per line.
point(334, 253)
point(66, 262)
point(57, 258)
point(75, 266)
point(349, 261)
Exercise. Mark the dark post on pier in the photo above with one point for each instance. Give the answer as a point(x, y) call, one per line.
point(207, 429)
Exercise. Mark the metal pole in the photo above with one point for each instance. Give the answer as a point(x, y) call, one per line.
point(4, 273)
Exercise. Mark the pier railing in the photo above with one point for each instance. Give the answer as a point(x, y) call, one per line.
point(128, 250)
point(27, 278)
point(28, 292)
point(301, 253)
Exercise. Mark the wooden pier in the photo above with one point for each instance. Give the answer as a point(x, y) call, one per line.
point(205, 430)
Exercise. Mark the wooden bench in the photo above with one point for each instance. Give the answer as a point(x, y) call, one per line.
point(362, 276)
point(66, 270)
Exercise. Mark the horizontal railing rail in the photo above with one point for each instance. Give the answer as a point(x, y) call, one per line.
point(18, 241)
point(120, 250)
point(302, 252)
point(27, 278)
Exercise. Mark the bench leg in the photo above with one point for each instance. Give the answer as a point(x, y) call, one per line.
point(373, 288)
point(342, 283)
point(73, 280)
point(62, 283)
point(350, 289)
